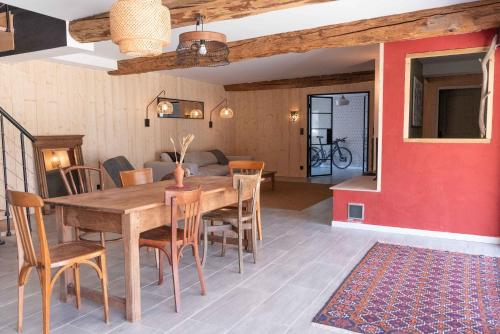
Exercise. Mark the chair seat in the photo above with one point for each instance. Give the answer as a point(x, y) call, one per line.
point(65, 253)
point(227, 214)
point(159, 236)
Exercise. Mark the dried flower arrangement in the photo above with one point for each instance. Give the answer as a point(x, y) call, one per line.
point(184, 144)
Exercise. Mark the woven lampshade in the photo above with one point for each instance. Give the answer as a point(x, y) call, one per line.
point(141, 28)
point(202, 48)
point(226, 112)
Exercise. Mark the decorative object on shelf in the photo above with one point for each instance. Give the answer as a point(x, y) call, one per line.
point(6, 30)
point(294, 116)
point(343, 101)
point(163, 107)
point(225, 112)
point(179, 171)
point(202, 48)
point(141, 28)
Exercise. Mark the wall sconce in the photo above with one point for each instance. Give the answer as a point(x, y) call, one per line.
point(225, 112)
point(163, 107)
point(294, 116)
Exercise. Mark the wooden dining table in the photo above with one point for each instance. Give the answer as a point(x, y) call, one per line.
point(129, 211)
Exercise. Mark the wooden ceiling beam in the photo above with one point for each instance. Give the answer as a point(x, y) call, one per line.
point(315, 81)
point(450, 20)
point(183, 13)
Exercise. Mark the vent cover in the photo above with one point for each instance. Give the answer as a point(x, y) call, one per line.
point(355, 211)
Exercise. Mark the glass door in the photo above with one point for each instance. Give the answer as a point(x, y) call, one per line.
point(319, 157)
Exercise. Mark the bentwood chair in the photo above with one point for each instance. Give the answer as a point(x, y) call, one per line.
point(240, 219)
point(250, 168)
point(64, 256)
point(137, 177)
point(171, 240)
point(80, 180)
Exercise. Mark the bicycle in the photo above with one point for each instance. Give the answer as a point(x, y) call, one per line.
point(341, 156)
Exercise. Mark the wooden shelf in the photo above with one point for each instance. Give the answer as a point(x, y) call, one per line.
point(358, 183)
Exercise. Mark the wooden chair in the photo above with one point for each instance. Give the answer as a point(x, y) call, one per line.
point(79, 180)
point(136, 177)
point(240, 219)
point(63, 256)
point(250, 168)
point(171, 240)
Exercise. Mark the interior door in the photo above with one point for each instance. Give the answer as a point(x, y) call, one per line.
point(458, 113)
point(320, 135)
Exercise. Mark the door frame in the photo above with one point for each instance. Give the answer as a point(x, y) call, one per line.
point(309, 124)
point(366, 124)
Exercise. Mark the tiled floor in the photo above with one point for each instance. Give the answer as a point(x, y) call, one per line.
point(301, 262)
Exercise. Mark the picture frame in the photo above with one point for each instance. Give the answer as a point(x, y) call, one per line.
point(417, 105)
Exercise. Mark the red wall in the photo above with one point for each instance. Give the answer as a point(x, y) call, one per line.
point(439, 187)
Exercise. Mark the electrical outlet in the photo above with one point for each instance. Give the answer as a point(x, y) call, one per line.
point(301, 167)
point(301, 131)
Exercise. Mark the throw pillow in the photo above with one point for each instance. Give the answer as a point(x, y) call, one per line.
point(221, 157)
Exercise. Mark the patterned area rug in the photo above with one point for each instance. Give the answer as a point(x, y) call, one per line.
point(401, 289)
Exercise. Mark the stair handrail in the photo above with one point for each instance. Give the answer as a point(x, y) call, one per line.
point(21, 128)
point(23, 133)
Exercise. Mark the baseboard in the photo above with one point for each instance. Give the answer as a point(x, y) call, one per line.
point(412, 231)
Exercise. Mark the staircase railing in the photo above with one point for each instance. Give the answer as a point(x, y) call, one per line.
point(23, 133)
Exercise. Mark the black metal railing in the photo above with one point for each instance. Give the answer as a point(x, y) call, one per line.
point(23, 133)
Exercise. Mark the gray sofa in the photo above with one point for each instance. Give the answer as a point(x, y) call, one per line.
point(201, 163)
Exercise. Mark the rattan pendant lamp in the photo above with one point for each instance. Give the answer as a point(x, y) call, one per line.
point(202, 48)
point(141, 28)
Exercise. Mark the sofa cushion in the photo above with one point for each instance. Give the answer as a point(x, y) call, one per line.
point(200, 158)
point(173, 155)
point(213, 170)
point(221, 157)
point(165, 157)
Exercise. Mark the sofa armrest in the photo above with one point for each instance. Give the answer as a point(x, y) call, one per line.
point(160, 168)
point(239, 157)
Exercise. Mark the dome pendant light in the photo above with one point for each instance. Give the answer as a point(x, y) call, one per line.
point(342, 101)
point(202, 48)
point(141, 28)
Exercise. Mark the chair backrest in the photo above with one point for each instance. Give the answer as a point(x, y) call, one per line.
point(20, 202)
point(188, 204)
point(116, 165)
point(247, 183)
point(78, 179)
point(136, 177)
point(246, 167)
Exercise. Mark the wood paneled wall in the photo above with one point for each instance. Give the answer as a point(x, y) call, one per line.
point(263, 129)
point(51, 99)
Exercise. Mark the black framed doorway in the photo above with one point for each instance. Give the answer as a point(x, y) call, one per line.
point(337, 116)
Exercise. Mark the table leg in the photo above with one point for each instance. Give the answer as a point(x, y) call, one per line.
point(272, 181)
point(130, 234)
point(64, 234)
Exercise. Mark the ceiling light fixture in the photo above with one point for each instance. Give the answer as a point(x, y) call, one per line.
point(342, 101)
point(202, 48)
point(141, 28)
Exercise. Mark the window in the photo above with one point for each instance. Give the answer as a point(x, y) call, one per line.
point(443, 96)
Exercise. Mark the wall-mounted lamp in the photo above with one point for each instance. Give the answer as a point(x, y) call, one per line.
point(294, 116)
point(163, 107)
point(225, 112)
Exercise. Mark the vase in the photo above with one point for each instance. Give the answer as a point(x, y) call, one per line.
point(179, 176)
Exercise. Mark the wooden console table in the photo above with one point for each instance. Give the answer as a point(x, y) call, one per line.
point(269, 176)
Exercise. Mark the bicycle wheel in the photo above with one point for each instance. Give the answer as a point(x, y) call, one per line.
point(342, 158)
point(315, 157)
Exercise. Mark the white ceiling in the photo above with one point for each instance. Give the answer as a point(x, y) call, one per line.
point(318, 62)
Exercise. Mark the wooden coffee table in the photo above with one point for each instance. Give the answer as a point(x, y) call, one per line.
point(268, 176)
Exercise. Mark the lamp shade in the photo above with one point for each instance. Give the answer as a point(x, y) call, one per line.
point(195, 113)
point(226, 112)
point(141, 28)
point(164, 108)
